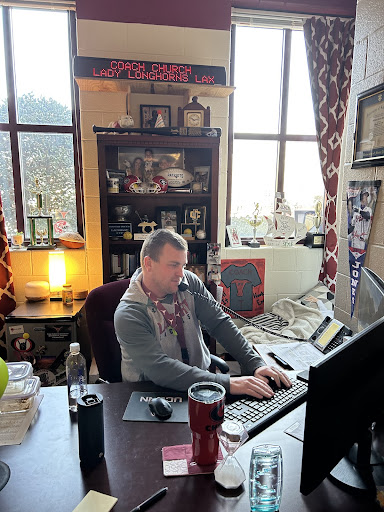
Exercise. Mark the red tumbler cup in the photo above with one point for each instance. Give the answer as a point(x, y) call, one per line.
point(206, 413)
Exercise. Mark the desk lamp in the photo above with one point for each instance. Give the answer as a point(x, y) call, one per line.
point(57, 274)
point(4, 469)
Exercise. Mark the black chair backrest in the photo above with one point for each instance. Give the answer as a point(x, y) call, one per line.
point(100, 308)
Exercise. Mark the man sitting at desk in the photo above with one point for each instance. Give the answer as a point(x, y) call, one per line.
point(157, 325)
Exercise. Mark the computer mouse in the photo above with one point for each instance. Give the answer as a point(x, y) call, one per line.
point(160, 408)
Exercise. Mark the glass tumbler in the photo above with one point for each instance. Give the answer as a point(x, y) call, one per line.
point(265, 478)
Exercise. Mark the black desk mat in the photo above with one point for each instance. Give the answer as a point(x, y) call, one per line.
point(137, 408)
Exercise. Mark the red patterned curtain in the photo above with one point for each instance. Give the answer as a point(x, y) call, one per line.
point(329, 45)
point(7, 293)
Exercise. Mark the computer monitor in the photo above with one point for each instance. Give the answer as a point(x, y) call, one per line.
point(345, 396)
point(371, 298)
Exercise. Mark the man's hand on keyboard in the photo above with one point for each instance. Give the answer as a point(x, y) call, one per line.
point(252, 386)
point(277, 375)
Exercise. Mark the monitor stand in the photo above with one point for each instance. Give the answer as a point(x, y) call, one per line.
point(357, 473)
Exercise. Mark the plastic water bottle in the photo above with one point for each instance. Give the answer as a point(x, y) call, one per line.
point(76, 370)
point(265, 478)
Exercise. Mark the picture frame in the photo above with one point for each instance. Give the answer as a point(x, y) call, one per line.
point(168, 217)
point(195, 215)
point(148, 118)
point(151, 160)
point(201, 175)
point(233, 236)
point(368, 148)
point(199, 270)
point(192, 227)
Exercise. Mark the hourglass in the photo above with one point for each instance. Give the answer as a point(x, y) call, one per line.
point(229, 473)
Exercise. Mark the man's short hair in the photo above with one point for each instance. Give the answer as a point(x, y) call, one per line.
point(155, 242)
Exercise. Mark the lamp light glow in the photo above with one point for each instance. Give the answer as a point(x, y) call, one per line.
point(57, 274)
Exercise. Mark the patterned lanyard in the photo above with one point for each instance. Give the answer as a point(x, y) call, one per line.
point(173, 320)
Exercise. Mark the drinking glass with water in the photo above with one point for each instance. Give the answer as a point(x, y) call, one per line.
point(265, 478)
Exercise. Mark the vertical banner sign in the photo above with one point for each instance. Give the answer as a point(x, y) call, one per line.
point(243, 286)
point(361, 203)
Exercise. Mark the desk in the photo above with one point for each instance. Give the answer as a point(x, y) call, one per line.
point(46, 475)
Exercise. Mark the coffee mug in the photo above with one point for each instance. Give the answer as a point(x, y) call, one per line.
point(206, 413)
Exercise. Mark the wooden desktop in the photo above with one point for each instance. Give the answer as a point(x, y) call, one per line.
point(46, 475)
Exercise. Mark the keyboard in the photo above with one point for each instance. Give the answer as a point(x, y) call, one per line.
point(256, 414)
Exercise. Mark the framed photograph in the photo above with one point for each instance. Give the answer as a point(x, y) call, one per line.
point(195, 215)
point(149, 113)
point(202, 176)
point(168, 217)
point(199, 270)
point(188, 231)
point(234, 237)
point(368, 150)
point(148, 162)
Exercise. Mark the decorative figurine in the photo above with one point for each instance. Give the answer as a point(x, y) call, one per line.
point(283, 230)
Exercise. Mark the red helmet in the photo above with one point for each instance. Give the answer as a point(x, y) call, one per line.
point(132, 184)
point(159, 185)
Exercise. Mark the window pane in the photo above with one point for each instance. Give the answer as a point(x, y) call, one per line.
point(3, 84)
point(41, 49)
point(49, 158)
point(257, 79)
point(303, 184)
point(301, 119)
point(254, 164)
point(6, 184)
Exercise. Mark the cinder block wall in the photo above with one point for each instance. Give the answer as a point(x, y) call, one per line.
point(367, 72)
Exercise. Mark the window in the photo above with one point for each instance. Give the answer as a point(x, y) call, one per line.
point(38, 136)
point(274, 147)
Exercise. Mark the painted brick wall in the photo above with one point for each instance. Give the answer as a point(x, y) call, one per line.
point(367, 72)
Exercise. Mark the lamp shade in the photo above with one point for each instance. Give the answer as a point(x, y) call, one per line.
point(57, 274)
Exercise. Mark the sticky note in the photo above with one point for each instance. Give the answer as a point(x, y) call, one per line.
point(96, 502)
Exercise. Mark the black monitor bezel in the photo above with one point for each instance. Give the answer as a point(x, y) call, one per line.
point(345, 395)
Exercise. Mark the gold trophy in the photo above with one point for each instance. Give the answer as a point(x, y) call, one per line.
point(35, 221)
point(314, 240)
point(255, 223)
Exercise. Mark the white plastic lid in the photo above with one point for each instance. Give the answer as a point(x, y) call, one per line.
point(31, 388)
point(74, 347)
point(19, 371)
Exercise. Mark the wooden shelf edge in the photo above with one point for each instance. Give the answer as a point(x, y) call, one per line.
point(146, 87)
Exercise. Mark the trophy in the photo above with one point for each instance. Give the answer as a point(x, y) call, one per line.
point(316, 239)
point(255, 223)
point(40, 224)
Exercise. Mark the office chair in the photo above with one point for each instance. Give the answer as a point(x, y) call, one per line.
point(100, 307)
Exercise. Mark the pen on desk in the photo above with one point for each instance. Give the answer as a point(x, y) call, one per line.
point(283, 363)
point(147, 503)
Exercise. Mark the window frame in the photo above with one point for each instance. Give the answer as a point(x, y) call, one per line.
point(14, 128)
point(281, 137)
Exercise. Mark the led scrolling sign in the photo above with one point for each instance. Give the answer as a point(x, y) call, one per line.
point(121, 69)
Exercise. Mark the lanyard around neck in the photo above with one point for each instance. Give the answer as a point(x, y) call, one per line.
point(174, 320)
